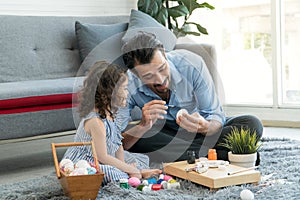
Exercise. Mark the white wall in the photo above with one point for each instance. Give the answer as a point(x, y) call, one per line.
point(66, 7)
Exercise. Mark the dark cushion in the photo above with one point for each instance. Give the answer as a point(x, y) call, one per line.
point(140, 21)
point(90, 35)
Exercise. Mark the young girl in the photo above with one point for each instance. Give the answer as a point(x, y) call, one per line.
point(104, 90)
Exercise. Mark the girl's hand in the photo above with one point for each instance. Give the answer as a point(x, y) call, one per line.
point(136, 173)
point(147, 173)
point(133, 164)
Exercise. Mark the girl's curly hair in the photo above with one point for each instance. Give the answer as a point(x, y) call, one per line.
point(98, 88)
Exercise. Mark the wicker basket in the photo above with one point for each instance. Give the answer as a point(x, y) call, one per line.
point(81, 186)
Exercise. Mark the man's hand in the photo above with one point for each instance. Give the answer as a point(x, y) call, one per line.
point(194, 123)
point(152, 111)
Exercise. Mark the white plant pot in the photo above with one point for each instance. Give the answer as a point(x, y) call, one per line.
point(242, 160)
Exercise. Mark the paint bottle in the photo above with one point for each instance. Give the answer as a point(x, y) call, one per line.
point(140, 187)
point(212, 154)
point(156, 187)
point(124, 183)
point(191, 157)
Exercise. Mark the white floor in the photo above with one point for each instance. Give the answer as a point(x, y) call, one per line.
point(24, 160)
point(291, 133)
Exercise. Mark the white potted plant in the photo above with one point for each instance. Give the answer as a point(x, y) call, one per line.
point(243, 146)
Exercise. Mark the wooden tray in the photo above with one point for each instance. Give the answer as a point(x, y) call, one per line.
point(214, 178)
point(82, 186)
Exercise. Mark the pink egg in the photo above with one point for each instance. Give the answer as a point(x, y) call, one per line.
point(134, 181)
point(167, 177)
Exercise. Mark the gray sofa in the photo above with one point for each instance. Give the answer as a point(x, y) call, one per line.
point(39, 64)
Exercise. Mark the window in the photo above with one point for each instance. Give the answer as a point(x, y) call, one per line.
point(290, 53)
point(246, 54)
point(257, 43)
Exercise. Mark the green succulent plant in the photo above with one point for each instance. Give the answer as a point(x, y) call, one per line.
point(169, 16)
point(241, 141)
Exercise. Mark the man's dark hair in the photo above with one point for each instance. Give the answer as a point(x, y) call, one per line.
point(140, 49)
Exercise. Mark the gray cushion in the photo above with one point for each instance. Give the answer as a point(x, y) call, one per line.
point(39, 87)
point(109, 50)
point(140, 21)
point(90, 35)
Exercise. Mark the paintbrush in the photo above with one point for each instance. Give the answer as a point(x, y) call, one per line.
point(242, 170)
point(170, 105)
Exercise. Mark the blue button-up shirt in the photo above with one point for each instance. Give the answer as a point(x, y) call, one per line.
point(191, 88)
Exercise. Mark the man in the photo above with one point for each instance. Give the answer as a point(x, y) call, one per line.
point(163, 83)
